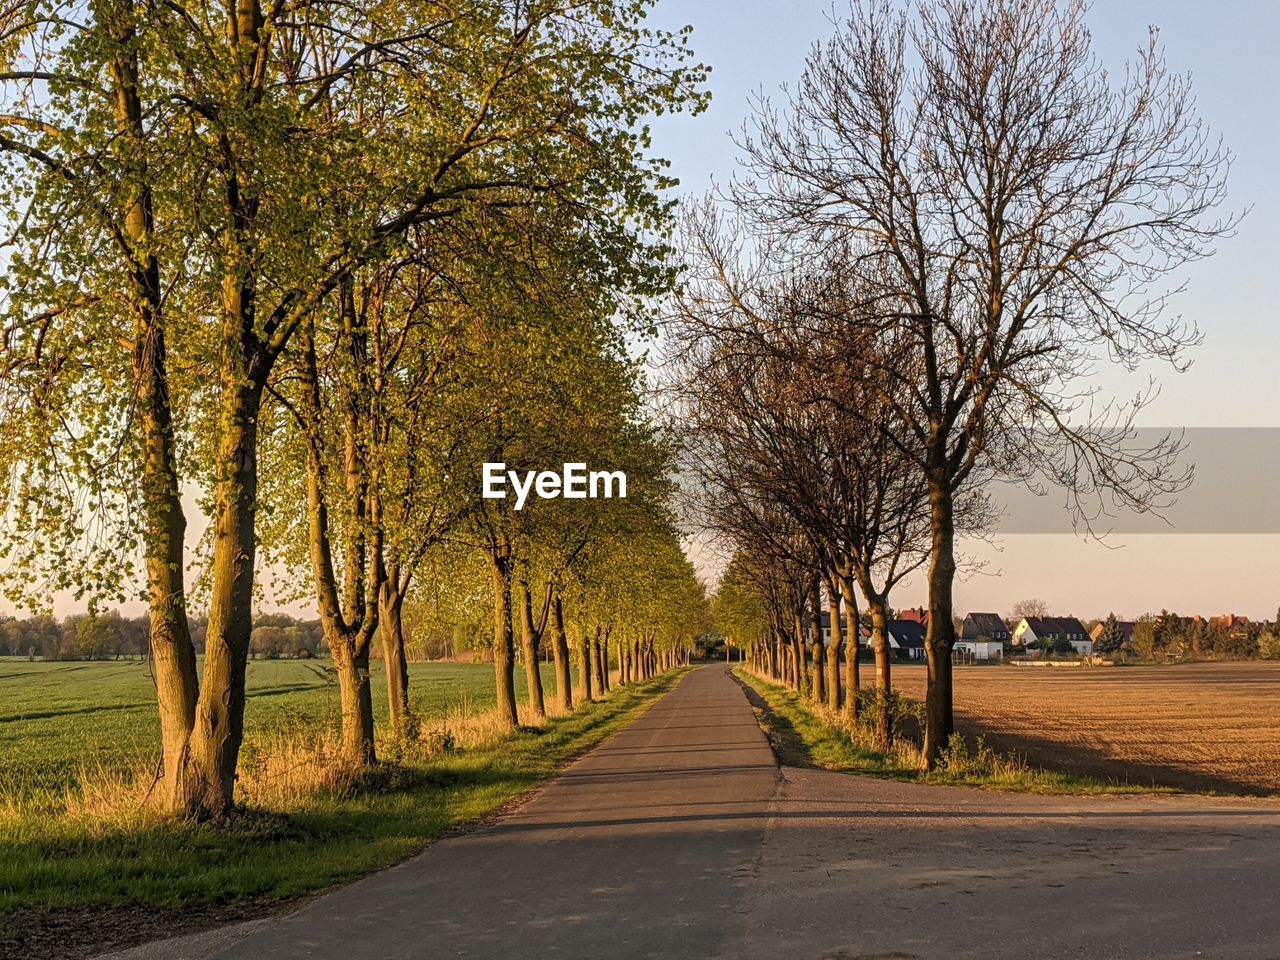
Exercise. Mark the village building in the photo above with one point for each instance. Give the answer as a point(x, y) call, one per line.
point(984, 626)
point(906, 637)
point(1036, 630)
point(1126, 631)
point(980, 649)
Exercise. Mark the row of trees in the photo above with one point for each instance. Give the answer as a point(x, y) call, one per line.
point(954, 216)
point(1167, 636)
point(311, 267)
point(74, 638)
point(109, 635)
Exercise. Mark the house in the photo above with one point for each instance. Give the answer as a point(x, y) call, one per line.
point(1040, 629)
point(980, 649)
point(1228, 622)
point(1126, 631)
point(906, 638)
point(918, 615)
point(979, 626)
point(825, 620)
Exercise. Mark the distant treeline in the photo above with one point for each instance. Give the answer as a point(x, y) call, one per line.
point(1168, 636)
point(111, 636)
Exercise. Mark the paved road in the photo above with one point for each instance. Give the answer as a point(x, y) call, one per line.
point(681, 837)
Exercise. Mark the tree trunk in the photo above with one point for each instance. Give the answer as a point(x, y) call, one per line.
point(884, 664)
point(351, 663)
point(529, 648)
point(818, 675)
point(349, 623)
point(584, 667)
point(209, 777)
point(940, 633)
point(504, 652)
point(597, 664)
point(604, 660)
point(560, 648)
point(801, 659)
point(172, 652)
point(170, 648)
point(391, 628)
point(834, 647)
point(815, 633)
point(852, 669)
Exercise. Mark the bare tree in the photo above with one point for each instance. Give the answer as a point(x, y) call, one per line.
point(1029, 608)
point(1016, 210)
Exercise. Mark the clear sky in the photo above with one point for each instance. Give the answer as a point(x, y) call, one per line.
point(1228, 48)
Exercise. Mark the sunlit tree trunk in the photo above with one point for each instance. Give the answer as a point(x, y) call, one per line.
point(532, 656)
point(218, 732)
point(597, 662)
point(560, 648)
point(584, 667)
point(815, 632)
point(852, 668)
point(884, 664)
point(798, 653)
point(836, 644)
point(504, 652)
point(391, 629)
point(170, 647)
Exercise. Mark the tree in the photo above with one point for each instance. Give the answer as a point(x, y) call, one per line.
point(1015, 210)
point(97, 637)
point(234, 171)
point(1112, 637)
point(1028, 608)
point(768, 374)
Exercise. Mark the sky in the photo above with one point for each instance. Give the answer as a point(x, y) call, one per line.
point(1228, 48)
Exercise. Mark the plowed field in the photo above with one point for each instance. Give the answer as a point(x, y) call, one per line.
point(1208, 726)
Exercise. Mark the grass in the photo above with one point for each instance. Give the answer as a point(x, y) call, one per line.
point(300, 833)
point(59, 721)
point(806, 735)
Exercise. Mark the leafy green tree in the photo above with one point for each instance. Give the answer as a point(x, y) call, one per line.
point(191, 187)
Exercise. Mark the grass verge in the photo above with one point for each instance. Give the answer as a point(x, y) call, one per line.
point(105, 872)
point(805, 735)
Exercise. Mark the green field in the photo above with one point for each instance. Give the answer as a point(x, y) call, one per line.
point(57, 719)
point(139, 872)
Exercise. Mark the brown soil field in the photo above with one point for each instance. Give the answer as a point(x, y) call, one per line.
point(1199, 726)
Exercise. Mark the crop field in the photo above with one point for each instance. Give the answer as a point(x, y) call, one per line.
point(58, 720)
point(1202, 726)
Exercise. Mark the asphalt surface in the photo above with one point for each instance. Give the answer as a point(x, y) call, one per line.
point(682, 837)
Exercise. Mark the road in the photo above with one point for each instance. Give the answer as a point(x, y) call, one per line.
point(683, 838)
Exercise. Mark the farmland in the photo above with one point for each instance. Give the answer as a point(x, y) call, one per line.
point(1199, 726)
point(58, 720)
point(66, 826)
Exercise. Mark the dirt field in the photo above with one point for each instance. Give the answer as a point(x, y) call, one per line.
point(1210, 726)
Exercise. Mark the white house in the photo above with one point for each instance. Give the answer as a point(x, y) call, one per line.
point(1039, 629)
point(980, 649)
